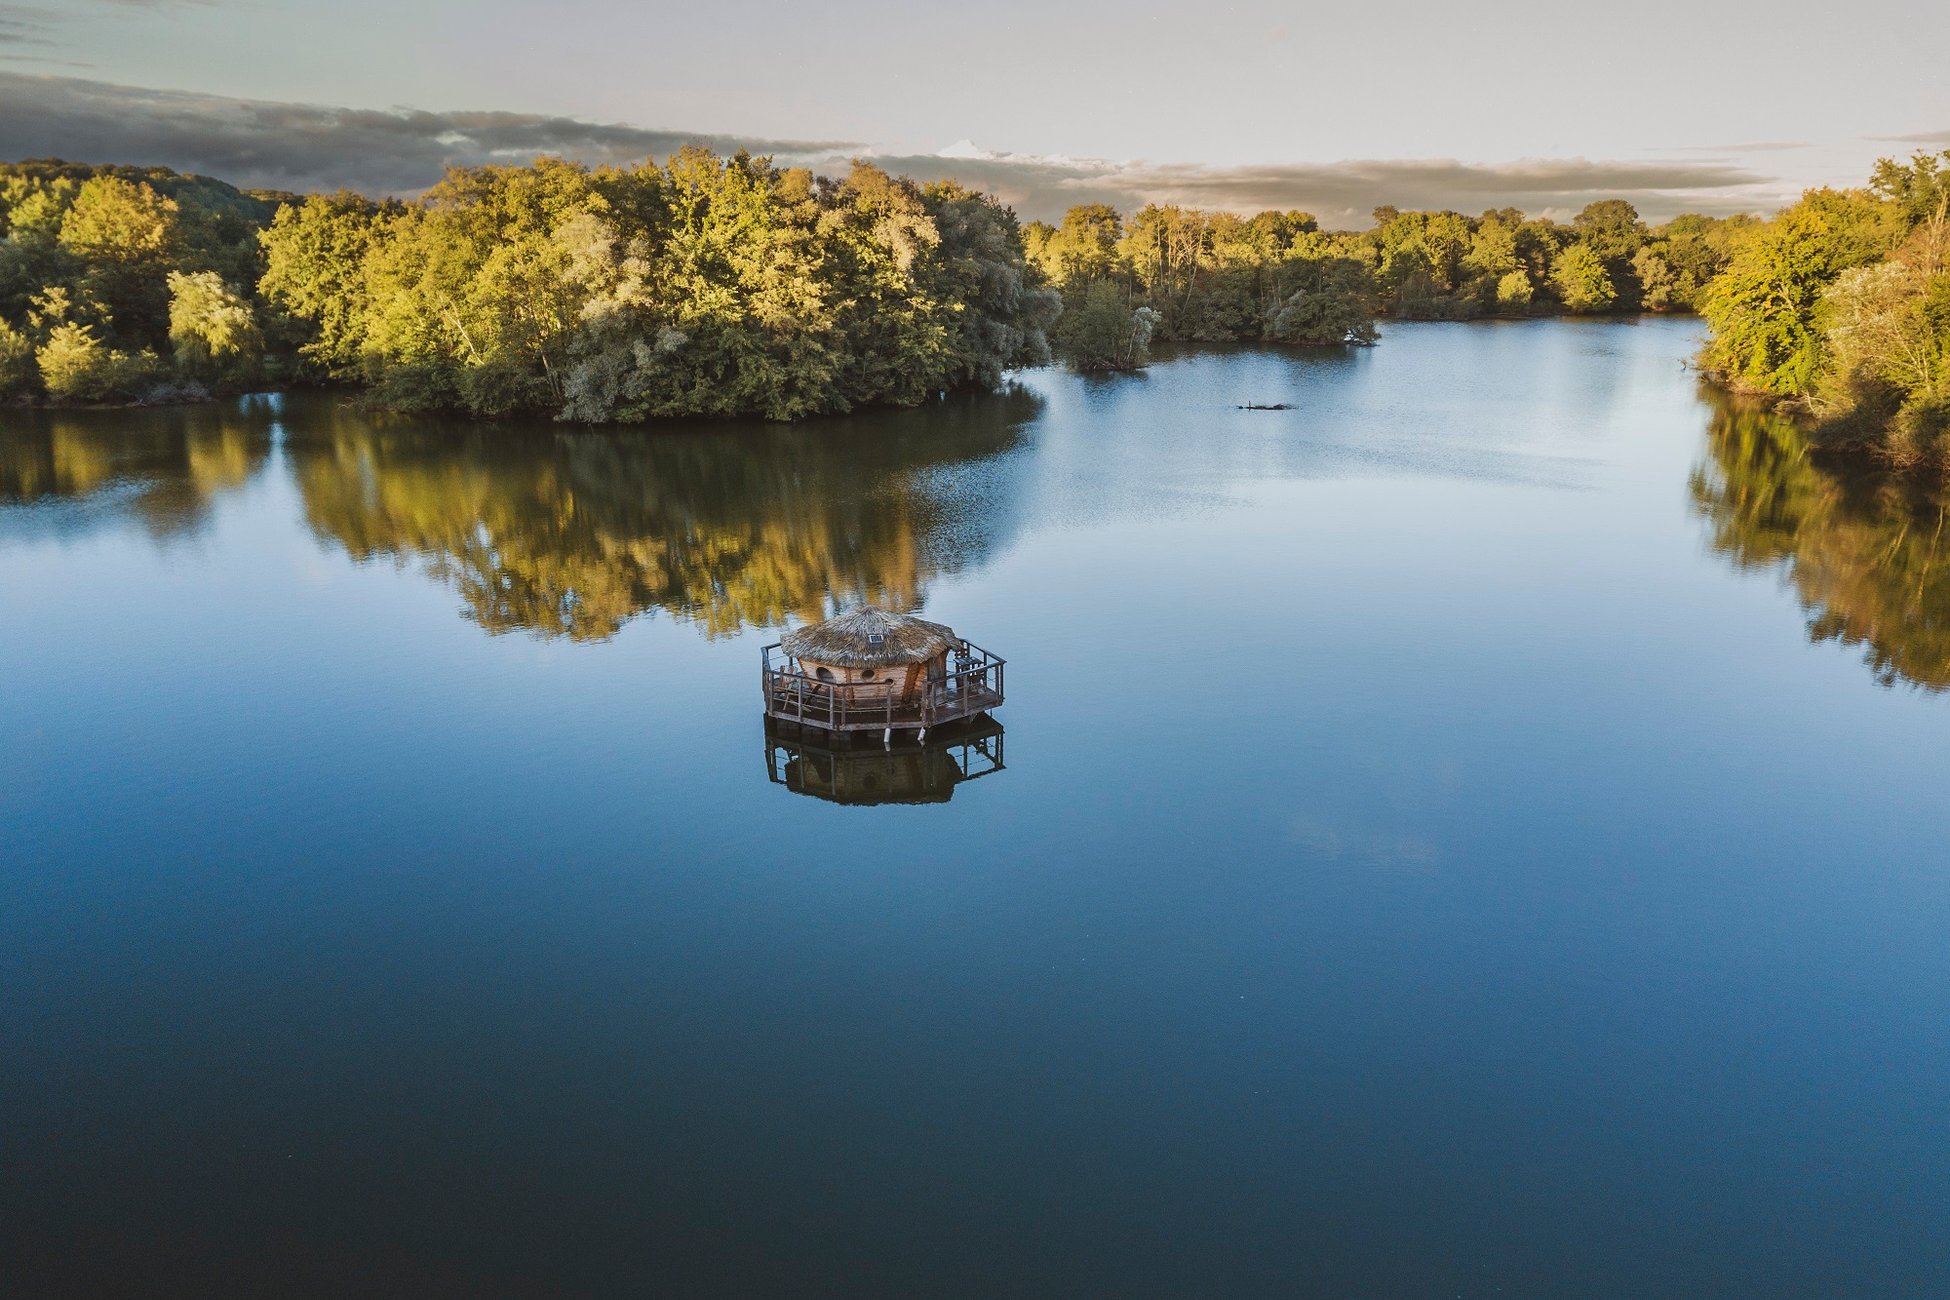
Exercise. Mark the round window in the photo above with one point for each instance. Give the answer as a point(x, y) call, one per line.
point(823, 674)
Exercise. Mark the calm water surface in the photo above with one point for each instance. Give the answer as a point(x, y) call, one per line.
point(1478, 833)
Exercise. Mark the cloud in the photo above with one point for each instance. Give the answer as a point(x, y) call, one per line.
point(1920, 137)
point(23, 25)
point(305, 147)
point(1345, 193)
point(26, 27)
point(275, 145)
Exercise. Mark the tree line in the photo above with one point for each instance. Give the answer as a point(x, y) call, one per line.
point(716, 286)
point(1183, 274)
point(721, 286)
point(104, 271)
point(702, 286)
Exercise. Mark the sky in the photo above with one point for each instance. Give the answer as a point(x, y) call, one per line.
point(1240, 104)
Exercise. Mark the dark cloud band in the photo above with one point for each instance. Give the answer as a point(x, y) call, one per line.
point(1345, 193)
point(305, 147)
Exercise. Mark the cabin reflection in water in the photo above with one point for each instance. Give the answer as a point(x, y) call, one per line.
point(827, 765)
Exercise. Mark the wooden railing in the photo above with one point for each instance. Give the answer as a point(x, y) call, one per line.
point(972, 684)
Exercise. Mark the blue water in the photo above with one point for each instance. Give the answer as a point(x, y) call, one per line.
point(1477, 833)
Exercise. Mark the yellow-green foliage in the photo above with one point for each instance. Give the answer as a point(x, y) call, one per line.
point(1582, 283)
point(1217, 276)
point(706, 286)
point(104, 248)
point(1104, 330)
point(76, 365)
point(1842, 302)
point(17, 369)
point(315, 254)
point(211, 326)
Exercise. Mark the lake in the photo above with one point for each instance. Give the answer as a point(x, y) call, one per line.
point(1479, 832)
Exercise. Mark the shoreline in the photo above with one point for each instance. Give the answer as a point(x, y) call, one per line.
point(1857, 453)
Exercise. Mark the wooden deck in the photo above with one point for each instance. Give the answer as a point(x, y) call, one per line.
point(971, 687)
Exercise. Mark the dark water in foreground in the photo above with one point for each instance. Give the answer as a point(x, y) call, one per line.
point(1479, 833)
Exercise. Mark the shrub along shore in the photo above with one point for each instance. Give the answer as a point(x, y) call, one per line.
point(727, 286)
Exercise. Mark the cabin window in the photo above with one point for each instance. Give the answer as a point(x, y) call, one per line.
point(866, 674)
point(823, 673)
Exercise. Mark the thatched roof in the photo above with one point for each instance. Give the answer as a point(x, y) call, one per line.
point(869, 638)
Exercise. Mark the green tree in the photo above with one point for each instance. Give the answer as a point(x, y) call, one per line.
point(76, 365)
point(1513, 291)
point(1084, 248)
point(315, 255)
point(1842, 303)
point(1492, 249)
point(1690, 251)
point(1919, 190)
point(126, 236)
point(212, 327)
point(1611, 229)
point(1658, 285)
point(897, 333)
point(1580, 280)
point(1885, 382)
point(1100, 330)
point(1325, 300)
point(1762, 307)
point(17, 368)
point(1002, 309)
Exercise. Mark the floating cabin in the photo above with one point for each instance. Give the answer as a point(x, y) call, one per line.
point(872, 669)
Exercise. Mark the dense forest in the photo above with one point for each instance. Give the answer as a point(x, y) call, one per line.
point(720, 286)
point(106, 270)
point(704, 286)
point(1179, 273)
point(1840, 305)
point(725, 286)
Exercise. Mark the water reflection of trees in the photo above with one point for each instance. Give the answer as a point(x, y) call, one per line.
point(572, 533)
point(162, 468)
point(1864, 552)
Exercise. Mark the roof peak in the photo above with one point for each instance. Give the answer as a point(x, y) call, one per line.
point(870, 636)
